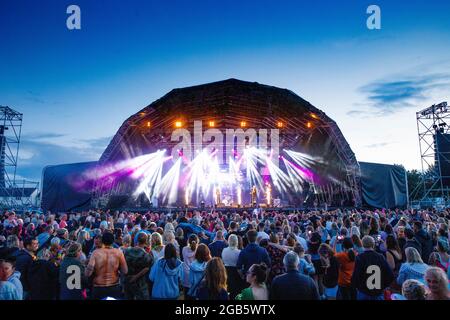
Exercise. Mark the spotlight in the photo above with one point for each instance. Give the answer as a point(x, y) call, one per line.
point(280, 124)
point(212, 124)
point(243, 124)
point(309, 125)
point(178, 124)
point(149, 124)
point(314, 116)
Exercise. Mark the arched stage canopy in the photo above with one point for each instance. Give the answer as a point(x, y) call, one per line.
point(234, 104)
point(149, 163)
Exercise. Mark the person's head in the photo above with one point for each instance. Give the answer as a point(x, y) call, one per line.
point(391, 243)
point(55, 243)
point(74, 250)
point(401, 232)
point(152, 226)
point(233, 241)
point(257, 274)
point(179, 233)
point(62, 233)
point(388, 229)
point(291, 261)
point(414, 290)
point(126, 240)
point(12, 241)
point(202, 254)
point(325, 250)
point(49, 229)
point(103, 225)
point(219, 235)
point(156, 239)
point(347, 245)
point(98, 241)
point(291, 240)
point(107, 239)
point(368, 243)
point(412, 255)
point(7, 266)
point(437, 281)
point(409, 234)
point(169, 237)
point(442, 245)
point(434, 259)
point(193, 242)
point(169, 227)
point(142, 239)
point(251, 236)
point(170, 252)
point(374, 225)
point(215, 276)
point(299, 249)
point(83, 236)
point(417, 225)
point(31, 244)
point(274, 238)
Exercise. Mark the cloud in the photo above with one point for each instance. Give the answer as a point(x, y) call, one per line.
point(98, 142)
point(378, 145)
point(42, 135)
point(37, 98)
point(34, 97)
point(35, 154)
point(388, 96)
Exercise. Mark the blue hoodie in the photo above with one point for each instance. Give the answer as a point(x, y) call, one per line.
point(166, 275)
point(196, 274)
point(8, 291)
point(414, 271)
point(306, 268)
point(15, 280)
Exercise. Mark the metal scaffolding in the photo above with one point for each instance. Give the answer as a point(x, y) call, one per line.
point(432, 122)
point(13, 194)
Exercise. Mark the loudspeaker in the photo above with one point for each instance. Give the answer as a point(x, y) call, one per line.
point(442, 156)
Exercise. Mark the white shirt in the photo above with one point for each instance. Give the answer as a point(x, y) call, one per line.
point(230, 256)
point(262, 235)
point(188, 258)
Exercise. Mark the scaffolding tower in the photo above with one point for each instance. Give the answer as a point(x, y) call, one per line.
point(432, 125)
point(13, 194)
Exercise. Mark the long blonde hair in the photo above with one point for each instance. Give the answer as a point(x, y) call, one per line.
point(441, 277)
point(412, 255)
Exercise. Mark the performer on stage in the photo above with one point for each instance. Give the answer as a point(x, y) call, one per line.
point(268, 194)
point(218, 201)
point(253, 194)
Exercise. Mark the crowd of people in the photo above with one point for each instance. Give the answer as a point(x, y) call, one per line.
point(344, 254)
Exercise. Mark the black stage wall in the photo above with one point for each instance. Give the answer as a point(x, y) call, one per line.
point(58, 191)
point(442, 156)
point(384, 186)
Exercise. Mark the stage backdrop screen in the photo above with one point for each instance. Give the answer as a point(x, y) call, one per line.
point(383, 186)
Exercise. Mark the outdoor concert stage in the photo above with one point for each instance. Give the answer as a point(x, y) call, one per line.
point(229, 143)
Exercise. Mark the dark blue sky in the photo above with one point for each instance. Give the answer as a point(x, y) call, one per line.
point(75, 88)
